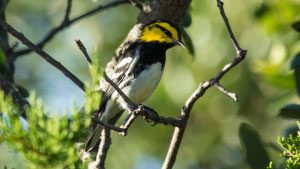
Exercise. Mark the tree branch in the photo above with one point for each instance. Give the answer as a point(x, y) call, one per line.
point(136, 110)
point(83, 50)
point(186, 109)
point(68, 11)
point(67, 22)
point(42, 53)
point(103, 148)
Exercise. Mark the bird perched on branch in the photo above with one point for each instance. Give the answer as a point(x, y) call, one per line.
point(137, 70)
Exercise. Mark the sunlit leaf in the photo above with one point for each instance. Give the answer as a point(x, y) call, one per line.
point(290, 111)
point(296, 26)
point(256, 154)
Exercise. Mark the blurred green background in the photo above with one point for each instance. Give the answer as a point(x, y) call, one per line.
point(264, 82)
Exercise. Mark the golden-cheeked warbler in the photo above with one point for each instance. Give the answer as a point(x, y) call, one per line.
point(137, 71)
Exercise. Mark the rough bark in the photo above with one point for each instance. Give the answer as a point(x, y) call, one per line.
point(169, 10)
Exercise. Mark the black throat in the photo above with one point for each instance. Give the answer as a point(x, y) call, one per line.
point(153, 52)
point(150, 53)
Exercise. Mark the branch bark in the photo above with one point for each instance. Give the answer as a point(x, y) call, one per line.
point(103, 148)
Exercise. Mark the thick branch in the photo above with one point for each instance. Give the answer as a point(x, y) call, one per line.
point(42, 53)
point(67, 22)
point(103, 149)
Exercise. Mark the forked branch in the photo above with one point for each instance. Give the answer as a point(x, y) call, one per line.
point(215, 81)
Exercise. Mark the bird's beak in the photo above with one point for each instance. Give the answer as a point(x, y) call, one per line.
point(179, 42)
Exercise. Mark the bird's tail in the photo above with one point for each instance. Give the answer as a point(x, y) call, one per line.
point(93, 138)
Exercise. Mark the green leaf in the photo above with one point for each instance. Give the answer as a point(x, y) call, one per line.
point(290, 111)
point(3, 63)
point(296, 66)
point(296, 26)
point(297, 79)
point(296, 61)
point(187, 20)
point(188, 42)
point(256, 154)
point(261, 10)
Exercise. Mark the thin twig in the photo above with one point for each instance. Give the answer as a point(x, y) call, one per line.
point(227, 92)
point(220, 5)
point(83, 50)
point(67, 22)
point(186, 110)
point(68, 11)
point(129, 102)
point(110, 126)
point(42, 53)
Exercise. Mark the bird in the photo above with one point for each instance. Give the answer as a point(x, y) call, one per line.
point(137, 70)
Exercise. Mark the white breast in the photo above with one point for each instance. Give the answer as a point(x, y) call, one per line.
point(144, 84)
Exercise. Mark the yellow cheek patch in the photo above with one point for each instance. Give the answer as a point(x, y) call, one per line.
point(154, 32)
point(170, 28)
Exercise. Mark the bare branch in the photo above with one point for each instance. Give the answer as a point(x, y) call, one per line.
point(42, 53)
point(103, 148)
point(68, 11)
point(220, 5)
point(225, 91)
point(186, 110)
point(83, 50)
point(110, 126)
point(67, 22)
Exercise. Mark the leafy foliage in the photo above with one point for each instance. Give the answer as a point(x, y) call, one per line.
point(291, 153)
point(296, 26)
point(290, 111)
point(48, 142)
point(291, 143)
point(256, 154)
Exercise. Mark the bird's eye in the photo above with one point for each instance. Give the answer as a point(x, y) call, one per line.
point(164, 30)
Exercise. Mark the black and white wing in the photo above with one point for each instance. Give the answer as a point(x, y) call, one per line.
point(119, 72)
